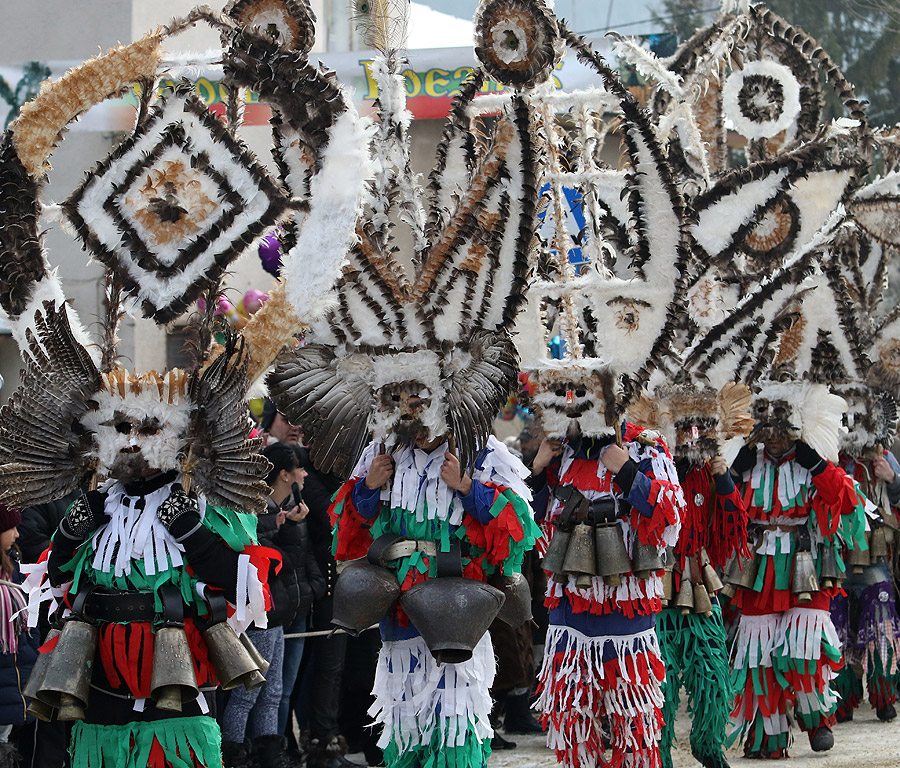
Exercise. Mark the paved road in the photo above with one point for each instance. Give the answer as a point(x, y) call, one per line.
point(864, 743)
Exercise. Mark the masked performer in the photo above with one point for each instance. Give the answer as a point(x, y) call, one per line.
point(866, 615)
point(422, 365)
point(699, 422)
point(150, 575)
point(611, 291)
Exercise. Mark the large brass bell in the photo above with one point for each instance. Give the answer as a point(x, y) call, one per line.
point(233, 661)
point(878, 544)
point(612, 556)
point(363, 595)
point(67, 680)
point(580, 557)
point(829, 572)
point(685, 600)
point(556, 553)
point(173, 682)
point(452, 614)
point(645, 559)
point(702, 603)
point(803, 579)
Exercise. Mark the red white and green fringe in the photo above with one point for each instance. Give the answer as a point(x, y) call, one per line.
point(180, 742)
point(694, 649)
point(433, 715)
point(577, 689)
point(782, 659)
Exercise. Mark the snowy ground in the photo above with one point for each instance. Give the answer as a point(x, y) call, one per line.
point(863, 743)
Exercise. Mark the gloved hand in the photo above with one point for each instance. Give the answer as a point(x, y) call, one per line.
point(807, 458)
point(745, 460)
point(180, 513)
point(85, 516)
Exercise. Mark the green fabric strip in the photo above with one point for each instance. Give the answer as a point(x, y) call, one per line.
point(471, 754)
point(185, 741)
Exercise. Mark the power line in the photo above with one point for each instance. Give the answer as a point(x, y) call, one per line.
point(667, 17)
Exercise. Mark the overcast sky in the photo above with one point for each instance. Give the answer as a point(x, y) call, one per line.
point(585, 16)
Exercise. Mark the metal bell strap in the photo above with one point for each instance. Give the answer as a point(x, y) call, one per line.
point(451, 613)
point(236, 660)
point(172, 682)
point(366, 590)
point(803, 577)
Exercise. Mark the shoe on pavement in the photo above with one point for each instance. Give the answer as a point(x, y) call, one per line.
point(821, 739)
point(844, 717)
point(886, 714)
point(498, 742)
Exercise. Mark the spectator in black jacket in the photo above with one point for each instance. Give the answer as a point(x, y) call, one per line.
point(293, 590)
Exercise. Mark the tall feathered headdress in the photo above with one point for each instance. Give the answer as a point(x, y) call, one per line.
point(612, 287)
point(166, 214)
point(429, 349)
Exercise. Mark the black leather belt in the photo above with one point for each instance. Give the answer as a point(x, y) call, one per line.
point(117, 607)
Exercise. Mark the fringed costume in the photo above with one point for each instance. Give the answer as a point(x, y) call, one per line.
point(787, 650)
point(491, 528)
point(421, 361)
point(152, 577)
point(602, 660)
point(692, 639)
point(866, 614)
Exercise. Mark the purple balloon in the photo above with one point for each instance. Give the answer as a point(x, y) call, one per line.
point(270, 255)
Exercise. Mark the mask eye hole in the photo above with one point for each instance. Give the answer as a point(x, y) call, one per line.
point(149, 430)
point(560, 392)
point(124, 427)
point(580, 392)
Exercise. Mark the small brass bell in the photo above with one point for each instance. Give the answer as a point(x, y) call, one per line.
point(233, 661)
point(702, 603)
point(70, 708)
point(580, 558)
point(711, 579)
point(261, 664)
point(685, 600)
point(645, 559)
point(36, 708)
point(556, 551)
point(668, 587)
point(612, 556)
point(829, 572)
point(878, 545)
point(860, 558)
point(67, 679)
point(803, 579)
point(173, 682)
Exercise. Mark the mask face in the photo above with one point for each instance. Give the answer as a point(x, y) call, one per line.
point(696, 438)
point(570, 404)
point(137, 435)
point(403, 406)
point(773, 420)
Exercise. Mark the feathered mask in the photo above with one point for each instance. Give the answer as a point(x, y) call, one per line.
point(166, 213)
